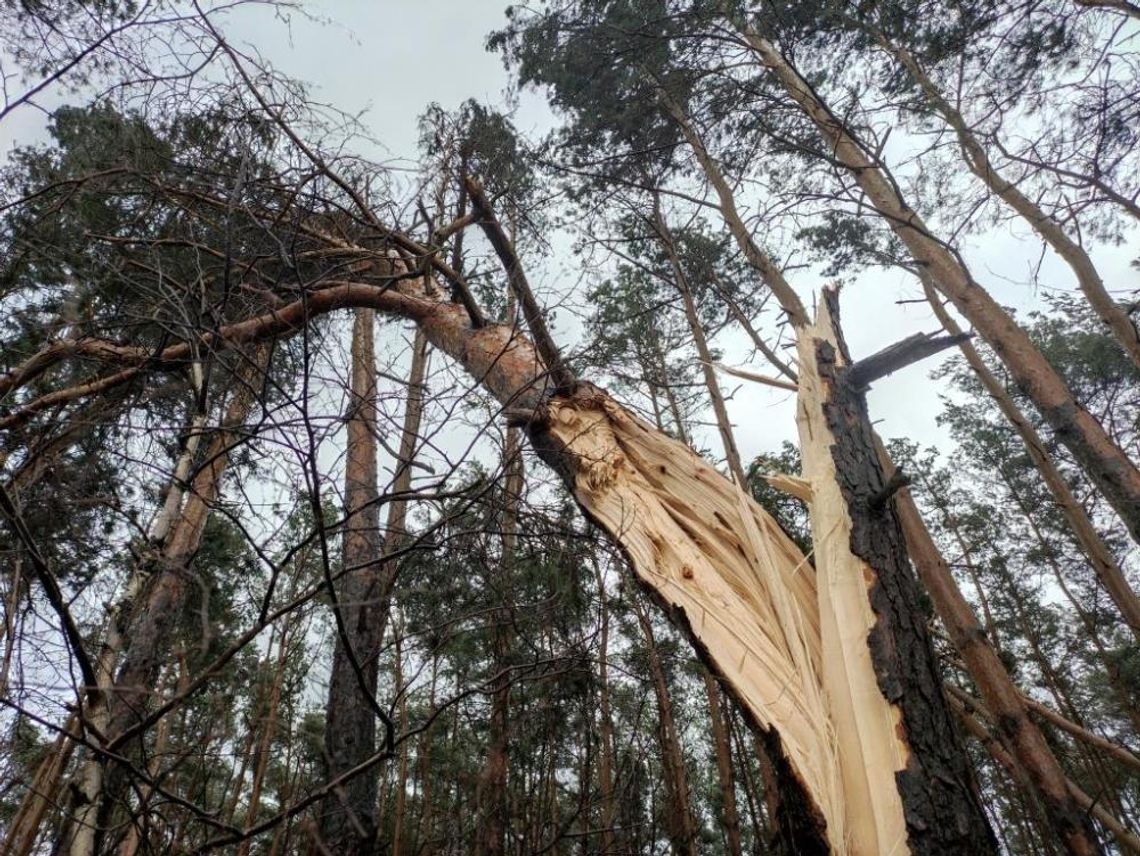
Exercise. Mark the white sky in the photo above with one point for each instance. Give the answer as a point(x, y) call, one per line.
point(385, 61)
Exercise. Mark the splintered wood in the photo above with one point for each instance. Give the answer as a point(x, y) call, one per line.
point(866, 726)
point(789, 640)
point(745, 590)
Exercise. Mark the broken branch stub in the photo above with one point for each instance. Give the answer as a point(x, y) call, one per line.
point(907, 782)
point(898, 356)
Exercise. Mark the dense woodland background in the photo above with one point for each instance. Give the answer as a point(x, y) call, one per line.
point(303, 586)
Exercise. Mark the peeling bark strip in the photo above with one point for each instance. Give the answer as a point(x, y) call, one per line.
point(934, 780)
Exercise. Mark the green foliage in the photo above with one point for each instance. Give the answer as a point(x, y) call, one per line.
point(790, 513)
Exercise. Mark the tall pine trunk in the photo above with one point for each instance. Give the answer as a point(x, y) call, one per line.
point(348, 815)
point(679, 821)
point(493, 807)
point(725, 776)
point(1109, 468)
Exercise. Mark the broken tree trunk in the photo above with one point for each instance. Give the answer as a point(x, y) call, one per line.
point(714, 558)
point(1106, 464)
point(907, 782)
point(1017, 731)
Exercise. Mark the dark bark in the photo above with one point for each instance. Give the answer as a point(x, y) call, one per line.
point(940, 801)
point(348, 815)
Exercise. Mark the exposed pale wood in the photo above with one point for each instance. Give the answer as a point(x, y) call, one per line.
point(795, 486)
point(723, 565)
point(867, 726)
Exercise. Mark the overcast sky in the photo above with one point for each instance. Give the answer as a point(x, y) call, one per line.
point(386, 61)
point(389, 59)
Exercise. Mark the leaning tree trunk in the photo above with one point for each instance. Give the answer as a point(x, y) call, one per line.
point(348, 814)
point(1115, 318)
point(1100, 556)
point(1109, 468)
point(143, 630)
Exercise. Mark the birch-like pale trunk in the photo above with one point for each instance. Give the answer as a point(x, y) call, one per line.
point(140, 633)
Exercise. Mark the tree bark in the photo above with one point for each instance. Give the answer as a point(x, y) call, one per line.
point(348, 814)
point(979, 163)
point(605, 723)
point(1042, 771)
point(907, 782)
point(402, 482)
point(679, 820)
point(725, 776)
point(1107, 465)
